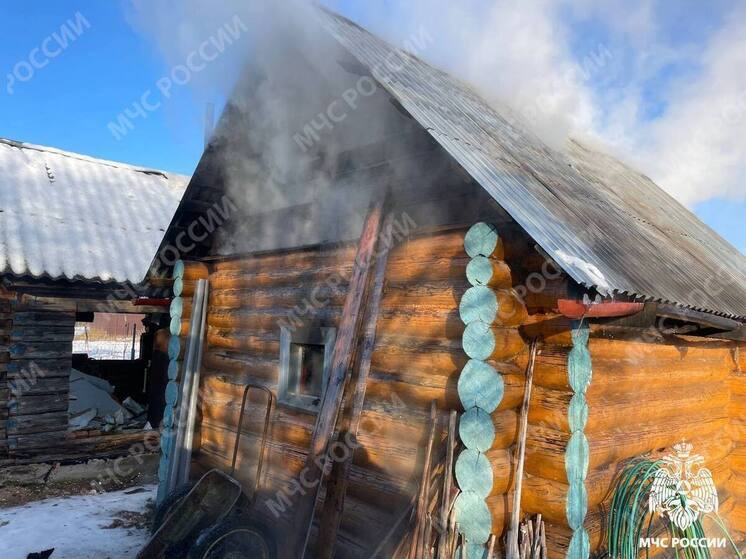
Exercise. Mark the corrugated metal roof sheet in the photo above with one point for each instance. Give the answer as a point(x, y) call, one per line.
point(607, 225)
point(64, 215)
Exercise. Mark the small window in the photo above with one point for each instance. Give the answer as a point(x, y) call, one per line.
point(305, 354)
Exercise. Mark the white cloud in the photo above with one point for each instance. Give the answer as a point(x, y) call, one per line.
point(697, 149)
point(512, 52)
point(518, 54)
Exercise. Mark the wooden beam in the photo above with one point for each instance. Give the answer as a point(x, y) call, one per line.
point(347, 339)
point(338, 479)
point(690, 315)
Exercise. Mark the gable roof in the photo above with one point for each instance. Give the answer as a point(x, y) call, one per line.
point(608, 226)
point(68, 216)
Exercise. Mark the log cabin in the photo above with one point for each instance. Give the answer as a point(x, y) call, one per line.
point(394, 243)
point(76, 236)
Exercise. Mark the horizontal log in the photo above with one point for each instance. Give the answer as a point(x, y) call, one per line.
point(63, 307)
point(274, 277)
point(431, 268)
point(311, 296)
point(37, 441)
point(426, 297)
point(270, 320)
point(29, 369)
point(38, 423)
point(244, 340)
point(225, 361)
point(433, 326)
point(42, 318)
point(305, 259)
point(38, 386)
point(195, 270)
point(41, 350)
point(27, 405)
point(42, 333)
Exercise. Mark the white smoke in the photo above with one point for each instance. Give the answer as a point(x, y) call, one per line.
point(518, 54)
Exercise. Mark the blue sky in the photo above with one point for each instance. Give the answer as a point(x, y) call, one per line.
point(672, 65)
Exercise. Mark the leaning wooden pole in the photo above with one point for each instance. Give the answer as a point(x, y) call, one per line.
point(445, 506)
point(418, 543)
point(336, 490)
point(511, 547)
point(339, 370)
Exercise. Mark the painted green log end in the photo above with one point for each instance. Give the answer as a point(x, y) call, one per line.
point(478, 340)
point(177, 307)
point(577, 457)
point(172, 392)
point(481, 239)
point(173, 369)
point(174, 327)
point(474, 472)
point(178, 269)
point(168, 417)
point(579, 369)
point(473, 517)
point(178, 287)
point(174, 347)
point(576, 506)
point(580, 545)
point(577, 412)
point(478, 303)
point(476, 429)
point(480, 385)
point(479, 271)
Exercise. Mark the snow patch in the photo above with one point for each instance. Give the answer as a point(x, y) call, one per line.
point(590, 270)
point(74, 526)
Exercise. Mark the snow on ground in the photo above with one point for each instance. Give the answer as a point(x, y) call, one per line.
point(81, 527)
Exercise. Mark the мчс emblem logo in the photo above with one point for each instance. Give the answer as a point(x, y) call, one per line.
point(683, 488)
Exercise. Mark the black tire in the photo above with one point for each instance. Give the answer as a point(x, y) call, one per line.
point(168, 504)
point(234, 538)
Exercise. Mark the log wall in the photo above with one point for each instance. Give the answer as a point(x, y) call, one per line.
point(5, 327)
point(644, 396)
point(38, 375)
point(737, 431)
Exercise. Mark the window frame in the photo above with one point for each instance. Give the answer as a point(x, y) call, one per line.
point(319, 335)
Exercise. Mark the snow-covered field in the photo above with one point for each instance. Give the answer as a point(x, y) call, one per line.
point(81, 527)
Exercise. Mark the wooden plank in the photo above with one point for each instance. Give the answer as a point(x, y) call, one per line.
point(41, 350)
point(29, 369)
point(347, 339)
point(38, 386)
point(38, 423)
point(34, 333)
point(28, 405)
point(337, 484)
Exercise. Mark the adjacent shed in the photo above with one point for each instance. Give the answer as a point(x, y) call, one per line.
point(76, 237)
point(413, 252)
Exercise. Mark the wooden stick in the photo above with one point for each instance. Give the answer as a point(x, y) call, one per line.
point(427, 548)
point(491, 547)
point(445, 508)
point(338, 479)
point(511, 544)
point(423, 500)
point(347, 338)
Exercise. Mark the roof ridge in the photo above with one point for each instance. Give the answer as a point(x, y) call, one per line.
point(90, 159)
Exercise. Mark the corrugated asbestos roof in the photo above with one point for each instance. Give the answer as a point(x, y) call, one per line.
point(64, 215)
point(607, 225)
